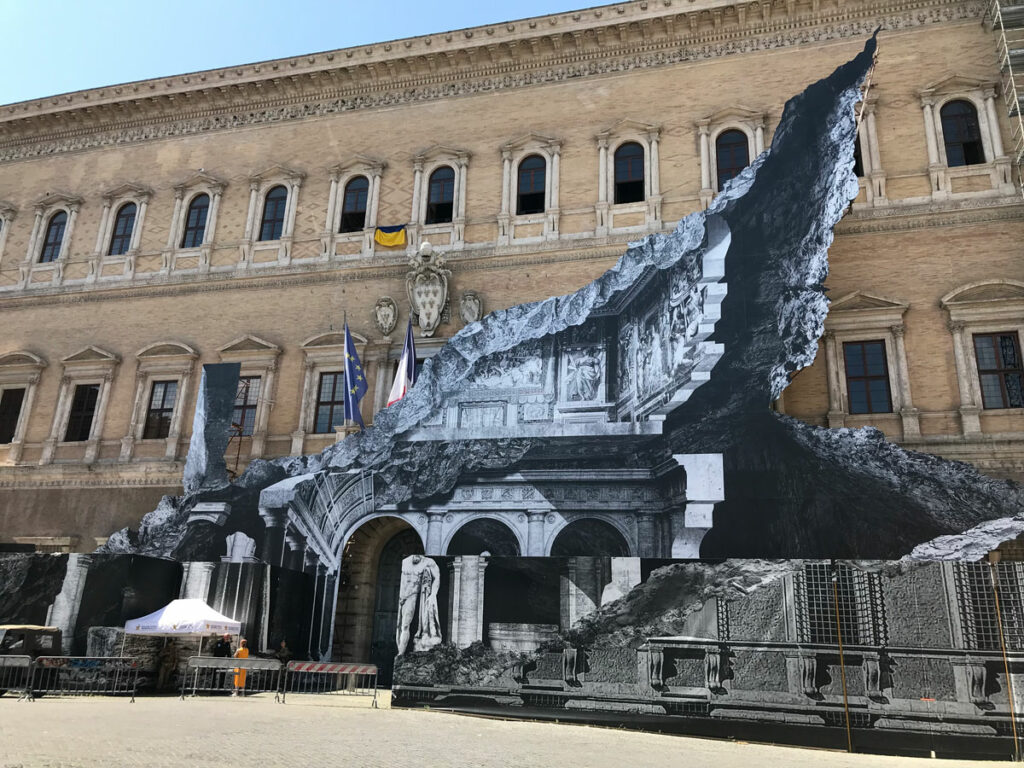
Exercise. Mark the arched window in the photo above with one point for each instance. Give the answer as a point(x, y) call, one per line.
point(732, 153)
point(124, 225)
point(195, 222)
point(962, 134)
point(353, 208)
point(440, 195)
point(629, 173)
point(530, 195)
point(274, 204)
point(54, 237)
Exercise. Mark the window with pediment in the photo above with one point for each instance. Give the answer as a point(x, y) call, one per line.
point(322, 410)
point(529, 189)
point(20, 373)
point(194, 223)
point(80, 414)
point(629, 186)
point(439, 196)
point(257, 385)
point(50, 243)
point(163, 384)
point(270, 225)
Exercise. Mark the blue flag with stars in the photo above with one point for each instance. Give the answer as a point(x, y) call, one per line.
point(355, 381)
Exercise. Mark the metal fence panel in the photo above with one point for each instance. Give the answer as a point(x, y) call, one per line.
point(311, 677)
point(85, 676)
point(15, 675)
point(209, 675)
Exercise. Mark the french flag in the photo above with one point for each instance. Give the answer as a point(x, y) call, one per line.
point(405, 377)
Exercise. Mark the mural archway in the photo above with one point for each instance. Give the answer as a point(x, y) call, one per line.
point(371, 567)
point(589, 536)
point(484, 534)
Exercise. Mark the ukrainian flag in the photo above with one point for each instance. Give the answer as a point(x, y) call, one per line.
point(390, 236)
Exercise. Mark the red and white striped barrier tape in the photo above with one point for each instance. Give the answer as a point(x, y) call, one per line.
point(334, 669)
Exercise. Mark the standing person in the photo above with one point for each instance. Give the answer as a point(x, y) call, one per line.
point(221, 650)
point(284, 653)
point(241, 653)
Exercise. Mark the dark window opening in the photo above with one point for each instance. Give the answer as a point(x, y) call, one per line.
point(732, 154)
point(330, 403)
point(530, 190)
point(10, 411)
point(353, 208)
point(124, 225)
point(195, 222)
point(629, 174)
point(858, 160)
point(962, 134)
point(440, 196)
point(274, 206)
point(867, 377)
point(83, 409)
point(54, 238)
point(244, 417)
point(160, 411)
point(1000, 370)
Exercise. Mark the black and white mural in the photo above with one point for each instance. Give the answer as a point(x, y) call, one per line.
point(586, 505)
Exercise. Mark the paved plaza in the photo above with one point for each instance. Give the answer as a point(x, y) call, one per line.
point(307, 731)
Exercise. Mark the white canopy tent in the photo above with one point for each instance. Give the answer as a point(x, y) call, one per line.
point(180, 618)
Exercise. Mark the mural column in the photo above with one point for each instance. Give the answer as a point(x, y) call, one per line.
point(535, 533)
point(647, 536)
point(274, 521)
point(705, 486)
point(195, 581)
point(434, 520)
point(63, 613)
point(466, 600)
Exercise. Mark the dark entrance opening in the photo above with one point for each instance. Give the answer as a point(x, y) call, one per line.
point(484, 535)
point(589, 537)
point(383, 646)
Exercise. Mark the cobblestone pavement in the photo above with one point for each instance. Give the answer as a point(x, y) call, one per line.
point(308, 731)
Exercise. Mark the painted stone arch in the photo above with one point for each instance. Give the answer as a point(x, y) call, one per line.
point(590, 535)
point(485, 533)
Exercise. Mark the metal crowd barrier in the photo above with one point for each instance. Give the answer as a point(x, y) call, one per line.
point(16, 675)
point(318, 677)
point(207, 674)
point(84, 676)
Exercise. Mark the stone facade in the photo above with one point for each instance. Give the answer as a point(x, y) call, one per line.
point(928, 255)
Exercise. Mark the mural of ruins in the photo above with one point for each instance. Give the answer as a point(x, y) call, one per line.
point(541, 525)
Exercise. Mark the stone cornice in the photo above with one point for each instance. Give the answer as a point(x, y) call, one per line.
point(895, 218)
point(593, 42)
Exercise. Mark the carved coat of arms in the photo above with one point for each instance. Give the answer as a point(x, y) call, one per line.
point(427, 284)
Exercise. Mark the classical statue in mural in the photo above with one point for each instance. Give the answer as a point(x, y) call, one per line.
point(427, 285)
point(583, 375)
point(385, 315)
point(471, 307)
point(417, 597)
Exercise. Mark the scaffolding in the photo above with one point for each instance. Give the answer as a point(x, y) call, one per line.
point(1006, 18)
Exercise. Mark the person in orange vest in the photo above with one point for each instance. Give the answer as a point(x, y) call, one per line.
point(241, 653)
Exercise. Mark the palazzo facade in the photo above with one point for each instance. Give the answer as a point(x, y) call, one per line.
point(231, 216)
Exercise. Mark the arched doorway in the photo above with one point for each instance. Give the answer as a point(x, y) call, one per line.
point(371, 567)
point(589, 538)
point(484, 535)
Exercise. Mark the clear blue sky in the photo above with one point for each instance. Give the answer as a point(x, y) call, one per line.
point(56, 46)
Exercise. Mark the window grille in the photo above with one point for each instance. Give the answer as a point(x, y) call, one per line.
point(867, 377)
point(861, 614)
point(195, 222)
point(330, 402)
point(962, 134)
point(246, 401)
point(977, 604)
point(54, 238)
point(274, 207)
point(124, 224)
point(1000, 370)
point(161, 409)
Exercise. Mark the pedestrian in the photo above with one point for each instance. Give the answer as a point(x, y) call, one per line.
point(241, 653)
point(222, 648)
point(284, 653)
point(168, 663)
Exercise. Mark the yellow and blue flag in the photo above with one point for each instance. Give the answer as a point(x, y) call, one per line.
point(390, 236)
point(355, 381)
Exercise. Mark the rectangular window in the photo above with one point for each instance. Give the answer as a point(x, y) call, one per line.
point(83, 409)
point(1000, 370)
point(243, 421)
point(330, 403)
point(10, 411)
point(976, 598)
point(160, 411)
point(867, 377)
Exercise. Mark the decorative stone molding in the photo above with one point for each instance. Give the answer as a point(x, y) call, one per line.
point(981, 94)
point(483, 60)
point(861, 316)
point(360, 165)
point(512, 154)
point(32, 272)
point(20, 370)
point(985, 306)
point(113, 200)
point(423, 165)
point(200, 183)
point(91, 365)
point(385, 315)
point(8, 212)
point(258, 357)
point(647, 136)
point(251, 249)
point(162, 361)
point(873, 180)
point(750, 122)
point(324, 353)
point(471, 307)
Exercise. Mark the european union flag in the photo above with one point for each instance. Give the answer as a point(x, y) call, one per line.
point(355, 381)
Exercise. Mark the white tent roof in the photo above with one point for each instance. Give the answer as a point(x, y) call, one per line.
point(183, 617)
